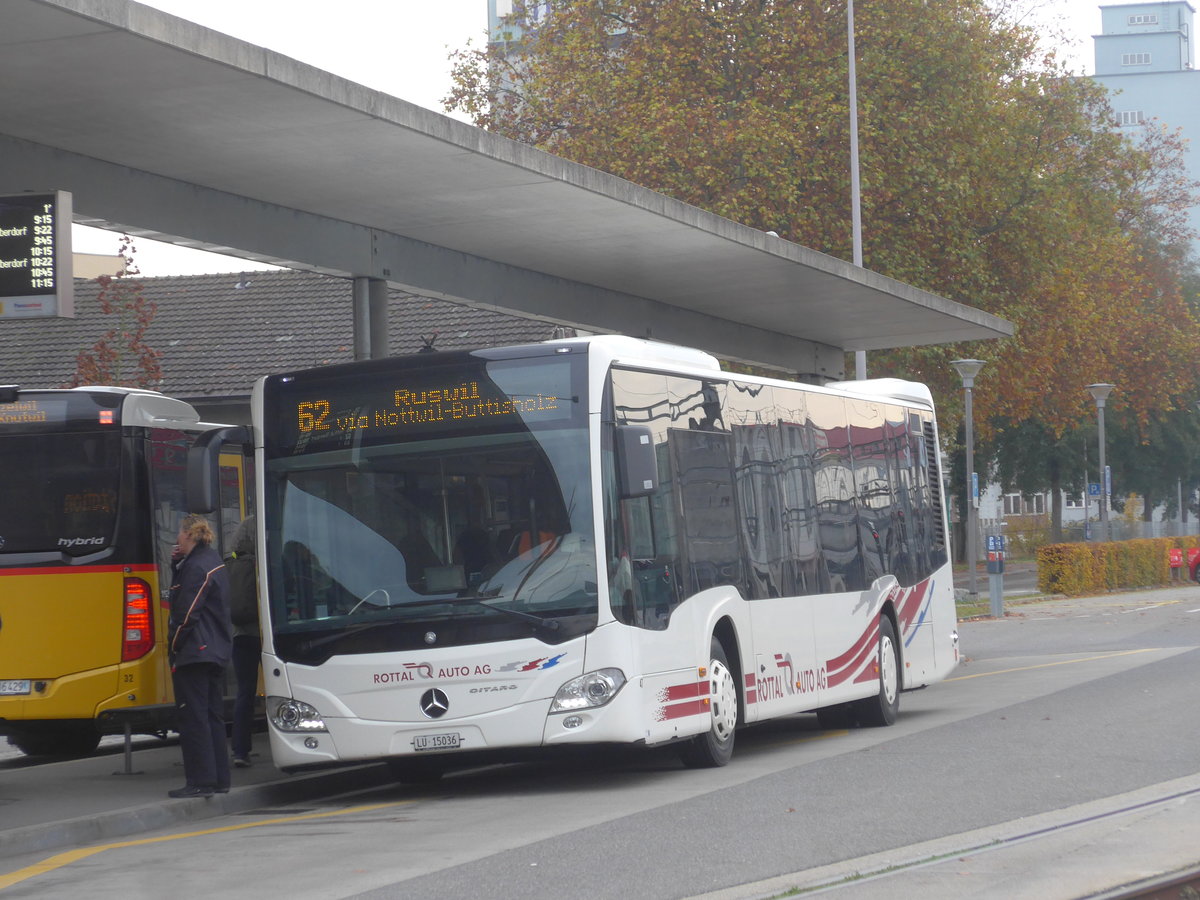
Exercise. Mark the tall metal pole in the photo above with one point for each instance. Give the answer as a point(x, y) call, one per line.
point(860, 356)
point(967, 369)
point(1100, 393)
point(1103, 473)
point(1190, 491)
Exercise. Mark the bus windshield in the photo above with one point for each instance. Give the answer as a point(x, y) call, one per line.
point(386, 538)
point(60, 491)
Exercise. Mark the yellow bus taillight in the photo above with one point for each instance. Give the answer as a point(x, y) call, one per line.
point(138, 627)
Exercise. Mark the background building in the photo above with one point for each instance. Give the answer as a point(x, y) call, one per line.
point(1145, 57)
point(219, 333)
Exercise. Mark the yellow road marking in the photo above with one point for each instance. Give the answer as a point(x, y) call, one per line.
point(1063, 662)
point(65, 859)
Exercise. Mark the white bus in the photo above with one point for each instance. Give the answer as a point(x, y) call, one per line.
point(589, 541)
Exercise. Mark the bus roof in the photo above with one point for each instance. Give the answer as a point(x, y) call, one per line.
point(140, 407)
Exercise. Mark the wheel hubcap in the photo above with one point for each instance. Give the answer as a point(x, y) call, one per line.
point(724, 700)
point(887, 666)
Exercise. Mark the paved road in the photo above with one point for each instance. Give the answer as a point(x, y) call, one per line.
point(1062, 714)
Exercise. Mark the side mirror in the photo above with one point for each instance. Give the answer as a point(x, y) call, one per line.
point(203, 466)
point(637, 463)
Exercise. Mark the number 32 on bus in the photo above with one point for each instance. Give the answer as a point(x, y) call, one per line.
point(589, 541)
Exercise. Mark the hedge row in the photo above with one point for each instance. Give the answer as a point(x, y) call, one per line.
point(1076, 569)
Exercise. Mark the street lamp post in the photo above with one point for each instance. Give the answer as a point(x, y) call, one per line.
point(967, 369)
point(1100, 393)
point(860, 356)
point(1196, 406)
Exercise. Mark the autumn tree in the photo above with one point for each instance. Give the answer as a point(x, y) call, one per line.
point(1157, 461)
point(122, 356)
point(988, 175)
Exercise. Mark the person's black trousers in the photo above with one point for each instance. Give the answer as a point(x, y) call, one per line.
point(199, 705)
point(247, 653)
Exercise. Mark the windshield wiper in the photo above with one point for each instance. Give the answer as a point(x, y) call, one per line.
point(478, 598)
point(316, 643)
point(548, 624)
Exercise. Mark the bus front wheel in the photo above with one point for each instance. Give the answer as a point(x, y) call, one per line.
point(715, 746)
point(883, 708)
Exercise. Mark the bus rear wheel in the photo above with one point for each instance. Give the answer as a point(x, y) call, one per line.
point(57, 739)
point(883, 708)
point(715, 747)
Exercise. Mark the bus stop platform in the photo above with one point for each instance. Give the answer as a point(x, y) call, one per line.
point(45, 806)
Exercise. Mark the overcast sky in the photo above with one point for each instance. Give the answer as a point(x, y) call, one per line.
point(402, 47)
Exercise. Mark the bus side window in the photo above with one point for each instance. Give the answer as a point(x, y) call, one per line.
point(642, 553)
point(232, 508)
point(643, 564)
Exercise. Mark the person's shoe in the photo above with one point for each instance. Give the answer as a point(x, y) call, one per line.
point(241, 762)
point(191, 790)
point(221, 789)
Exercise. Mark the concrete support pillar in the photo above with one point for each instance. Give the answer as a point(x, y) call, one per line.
point(378, 302)
point(370, 318)
point(362, 320)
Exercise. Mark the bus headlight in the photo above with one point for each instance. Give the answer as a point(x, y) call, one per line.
point(588, 691)
point(294, 716)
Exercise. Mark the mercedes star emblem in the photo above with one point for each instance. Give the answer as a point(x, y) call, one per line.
point(434, 703)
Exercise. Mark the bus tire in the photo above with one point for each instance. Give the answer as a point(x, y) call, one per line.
point(715, 747)
point(58, 739)
point(883, 708)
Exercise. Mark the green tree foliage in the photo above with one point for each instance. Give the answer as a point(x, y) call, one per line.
point(1158, 461)
point(122, 356)
point(988, 176)
point(1031, 458)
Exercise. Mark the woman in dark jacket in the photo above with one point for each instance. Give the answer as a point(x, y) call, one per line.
point(200, 643)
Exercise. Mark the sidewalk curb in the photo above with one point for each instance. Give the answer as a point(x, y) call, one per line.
point(122, 823)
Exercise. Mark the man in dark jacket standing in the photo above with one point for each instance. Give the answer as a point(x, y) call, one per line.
point(247, 638)
point(200, 643)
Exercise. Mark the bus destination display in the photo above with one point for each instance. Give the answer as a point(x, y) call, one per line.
point(35, 256)
point(41, 411)
point(421, 404)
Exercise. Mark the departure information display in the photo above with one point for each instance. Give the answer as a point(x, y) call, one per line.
point(412, 403)
point(35, 256)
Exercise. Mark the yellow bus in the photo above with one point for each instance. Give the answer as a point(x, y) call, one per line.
point(92, 488)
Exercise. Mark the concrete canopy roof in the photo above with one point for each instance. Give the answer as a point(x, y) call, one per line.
point(166, 129)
